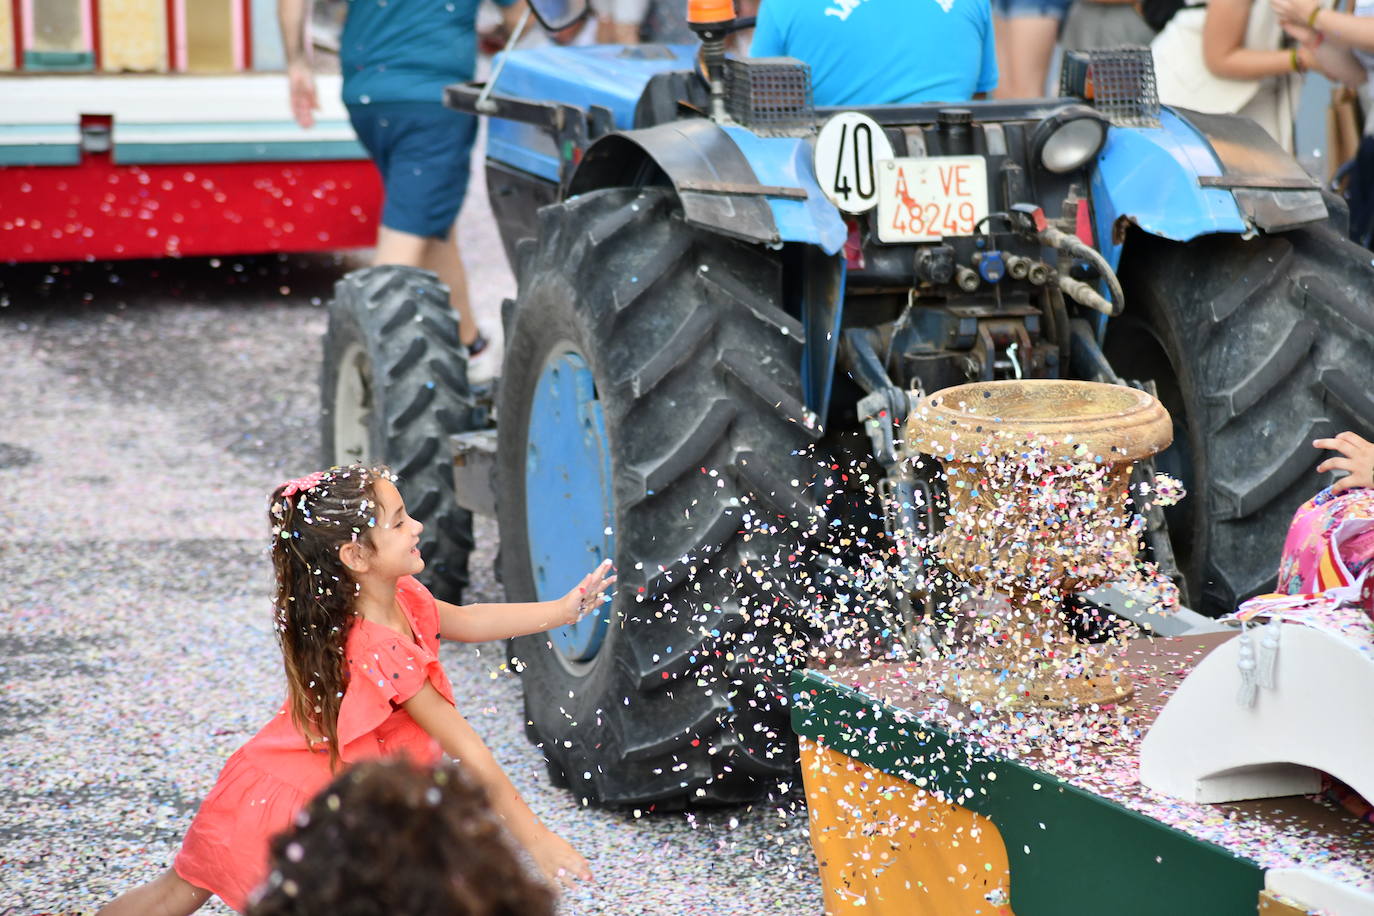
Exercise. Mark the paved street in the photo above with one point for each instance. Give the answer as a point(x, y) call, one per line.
point(146, 410)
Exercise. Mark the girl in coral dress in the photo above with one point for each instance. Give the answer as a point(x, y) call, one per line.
point(360, 642)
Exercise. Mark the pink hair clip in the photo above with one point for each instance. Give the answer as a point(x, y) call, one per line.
point(302, 484)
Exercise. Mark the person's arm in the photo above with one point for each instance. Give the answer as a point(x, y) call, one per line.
point(1333, 60)
point(1349, 30)
point(1224, 51)
point(1338, 64)
point(436, 715)
point(510, 15)
point(291, 16)
point(486, 622)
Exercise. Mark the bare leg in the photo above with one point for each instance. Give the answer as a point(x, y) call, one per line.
point(444, 259)
point(167, 895)
point(626, 33)
point(400, 248)
point(1025, 45)
point(1001, 31)
point(406, 250)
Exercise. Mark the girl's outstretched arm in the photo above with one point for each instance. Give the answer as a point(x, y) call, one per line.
point(560, 863)
point(487, 622)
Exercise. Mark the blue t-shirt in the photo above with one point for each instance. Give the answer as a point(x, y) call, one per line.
point(407, 50)
point(883, 52)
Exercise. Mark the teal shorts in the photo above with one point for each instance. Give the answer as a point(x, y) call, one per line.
point(423, 151)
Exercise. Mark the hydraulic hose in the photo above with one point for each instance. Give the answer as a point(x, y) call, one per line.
point(1081, 292)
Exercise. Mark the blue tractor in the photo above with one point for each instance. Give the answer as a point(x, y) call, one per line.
point(726, 300)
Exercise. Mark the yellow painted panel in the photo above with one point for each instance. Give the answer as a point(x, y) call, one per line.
point(57, 26)
point(133, 35)
point(886, 848)
point(7, 37)
point(1271, 904)
point(209, 36)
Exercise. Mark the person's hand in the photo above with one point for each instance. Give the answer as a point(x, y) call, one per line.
point(1357, 458)
point(1307, 59)
point(586, 596)
point(304, 102)
point(1308, 38)
point(559, 862)
point(1298, 11)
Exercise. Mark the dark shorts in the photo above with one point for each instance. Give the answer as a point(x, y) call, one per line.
point(422, 150)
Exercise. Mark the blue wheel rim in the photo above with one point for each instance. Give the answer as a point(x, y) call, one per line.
point(569, 512)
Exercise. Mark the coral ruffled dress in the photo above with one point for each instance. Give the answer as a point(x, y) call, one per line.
point(268, 780)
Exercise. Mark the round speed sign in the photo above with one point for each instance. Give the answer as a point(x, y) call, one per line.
point(847, 150)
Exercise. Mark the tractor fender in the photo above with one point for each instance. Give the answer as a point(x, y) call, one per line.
point(760, 189)
point(1150, 177)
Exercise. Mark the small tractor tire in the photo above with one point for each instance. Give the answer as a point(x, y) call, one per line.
point(696, 367)
point(394, 387)
point(1257, 347)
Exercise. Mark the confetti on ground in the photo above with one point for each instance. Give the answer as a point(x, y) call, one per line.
point(138, 443)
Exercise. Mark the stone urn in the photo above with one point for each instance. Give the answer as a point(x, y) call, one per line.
point(1038, 474)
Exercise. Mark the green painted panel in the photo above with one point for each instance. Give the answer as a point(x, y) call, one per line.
point(61, 61)
point(1072, 853)
point(39, 154)
point(151, 153)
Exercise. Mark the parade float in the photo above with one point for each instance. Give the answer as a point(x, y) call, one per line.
point(1021, 770)
point(149, 128)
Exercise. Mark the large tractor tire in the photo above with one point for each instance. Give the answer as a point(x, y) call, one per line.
point(1257, 347)
point(650, 411)
point(394, 387)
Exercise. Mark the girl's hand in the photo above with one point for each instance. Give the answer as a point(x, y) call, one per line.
point(560, 863)
point(1357, 458)
point(304, 102)
point(586, 596)
point(1294, 10)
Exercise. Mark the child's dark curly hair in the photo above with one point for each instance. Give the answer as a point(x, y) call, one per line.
point(387, 837)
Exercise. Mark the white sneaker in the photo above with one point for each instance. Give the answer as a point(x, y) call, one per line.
point(485, 364)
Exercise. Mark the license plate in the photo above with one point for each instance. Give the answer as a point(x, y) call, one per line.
point(925, 200)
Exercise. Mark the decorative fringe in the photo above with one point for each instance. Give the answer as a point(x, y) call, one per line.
point(1268, 653)
point(1246, 663)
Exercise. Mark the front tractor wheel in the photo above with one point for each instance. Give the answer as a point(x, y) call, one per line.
point(394, 388)
point(650, 411)
point(1257, 347)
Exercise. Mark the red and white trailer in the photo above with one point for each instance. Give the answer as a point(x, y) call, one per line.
point(148, 128)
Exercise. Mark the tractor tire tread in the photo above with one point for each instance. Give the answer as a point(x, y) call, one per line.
point(401, 318)
point(666, 702)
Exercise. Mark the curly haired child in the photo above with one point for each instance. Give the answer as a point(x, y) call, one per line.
point(388, 836)
point(360, 641)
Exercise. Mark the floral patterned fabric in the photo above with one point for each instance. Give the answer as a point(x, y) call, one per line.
point(1311, 561)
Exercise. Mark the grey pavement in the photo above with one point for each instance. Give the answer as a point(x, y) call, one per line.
point(146, 409)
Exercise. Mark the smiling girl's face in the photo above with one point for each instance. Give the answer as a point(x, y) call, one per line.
point(394, 544)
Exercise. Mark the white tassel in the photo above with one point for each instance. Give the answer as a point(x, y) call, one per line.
point(1246, 663)
point(1268, 653)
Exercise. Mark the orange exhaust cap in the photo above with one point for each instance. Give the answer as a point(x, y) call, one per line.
point(707, 11)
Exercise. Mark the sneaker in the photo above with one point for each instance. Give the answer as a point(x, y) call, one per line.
point(484, 362)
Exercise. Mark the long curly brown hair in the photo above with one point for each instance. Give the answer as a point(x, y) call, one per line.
point(311, 519)
point(389, 837)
